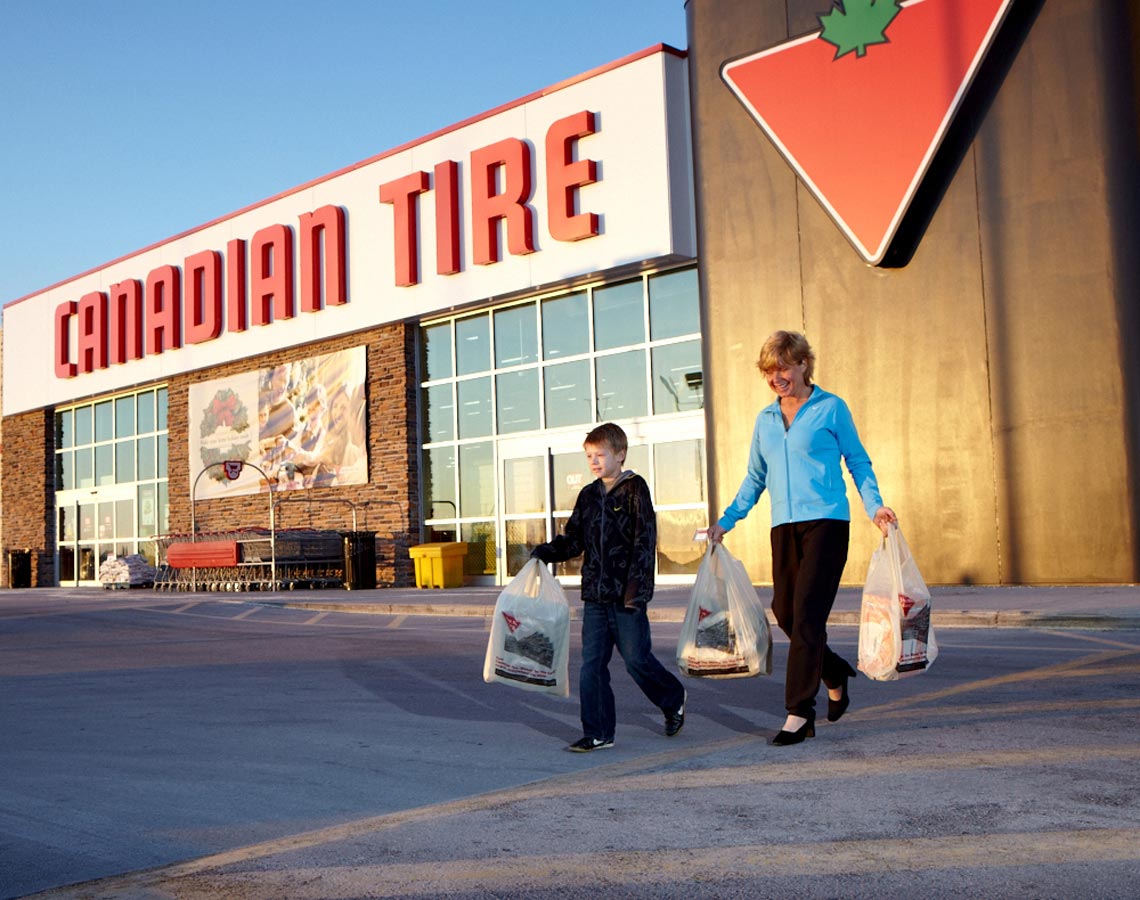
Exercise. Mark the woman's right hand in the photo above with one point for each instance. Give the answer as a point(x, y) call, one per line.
point(884, 518)
point(716, 533)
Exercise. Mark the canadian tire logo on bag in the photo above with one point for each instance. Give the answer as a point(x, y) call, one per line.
point(860, 107)
point(512, 622)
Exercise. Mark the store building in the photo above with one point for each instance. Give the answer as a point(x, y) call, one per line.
point(460, 311)
point(453, 315)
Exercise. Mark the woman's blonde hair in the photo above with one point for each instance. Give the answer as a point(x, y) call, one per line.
point(786, 348)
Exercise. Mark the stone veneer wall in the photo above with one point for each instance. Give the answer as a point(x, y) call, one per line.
point(388, 504)
point(29, 492)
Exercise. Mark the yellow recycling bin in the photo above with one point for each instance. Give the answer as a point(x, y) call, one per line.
point(439, 565)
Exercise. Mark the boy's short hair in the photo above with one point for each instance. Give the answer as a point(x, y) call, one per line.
point(608, 435)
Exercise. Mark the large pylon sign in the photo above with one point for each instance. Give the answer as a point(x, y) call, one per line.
point(860, 107)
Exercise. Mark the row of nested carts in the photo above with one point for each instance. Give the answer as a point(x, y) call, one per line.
point(266, 560)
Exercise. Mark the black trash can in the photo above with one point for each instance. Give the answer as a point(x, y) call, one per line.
point(359, 560)
point(20, 568)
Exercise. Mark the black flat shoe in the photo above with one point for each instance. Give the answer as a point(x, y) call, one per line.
point(836, 708)
point(784, 738)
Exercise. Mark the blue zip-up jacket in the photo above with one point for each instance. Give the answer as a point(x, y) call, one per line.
point(799, 465)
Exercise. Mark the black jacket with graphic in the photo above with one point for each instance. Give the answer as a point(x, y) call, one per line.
point(617, 532)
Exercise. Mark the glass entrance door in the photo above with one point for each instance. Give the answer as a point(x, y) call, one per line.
point(526, 509)
point(532, 477)
point(93, 529)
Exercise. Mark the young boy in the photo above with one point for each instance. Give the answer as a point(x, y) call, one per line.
point(614, 525)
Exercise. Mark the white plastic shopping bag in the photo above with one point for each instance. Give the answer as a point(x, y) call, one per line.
point(529, 647)
point(725, 633)
point(895, 635)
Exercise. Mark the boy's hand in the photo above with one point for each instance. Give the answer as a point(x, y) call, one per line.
point(543, 553)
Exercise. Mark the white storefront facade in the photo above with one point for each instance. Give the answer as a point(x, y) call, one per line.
point(544, 253)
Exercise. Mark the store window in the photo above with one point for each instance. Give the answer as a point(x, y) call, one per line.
point(474, 407)
point(516, 336)
point(435, 343)
point(477, 479)
point(440, 408)
point(680, 497)
point(621, 386)
point(567, 394)
point(678, 382)
point(472, 345)
point(565, 326)
point(516, 396)
point(439, 485)
point(619, 315)
point(110, 481)
point(671, 310)
point(507, 393)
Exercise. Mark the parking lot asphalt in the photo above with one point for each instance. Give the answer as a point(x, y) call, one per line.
point(1008, 771)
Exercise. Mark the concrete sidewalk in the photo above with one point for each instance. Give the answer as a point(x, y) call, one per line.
point(1093, 607)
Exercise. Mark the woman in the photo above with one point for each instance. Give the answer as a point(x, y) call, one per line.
point(797, 444)
point(344, 458)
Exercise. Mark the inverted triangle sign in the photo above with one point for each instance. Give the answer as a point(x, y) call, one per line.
point(861, 128)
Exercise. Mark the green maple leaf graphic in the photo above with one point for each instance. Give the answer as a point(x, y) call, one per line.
point(853, 24)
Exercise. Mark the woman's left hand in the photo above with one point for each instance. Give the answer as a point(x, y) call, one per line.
point(885, 517)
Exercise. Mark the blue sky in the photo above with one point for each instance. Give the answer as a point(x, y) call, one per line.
point(128, 121)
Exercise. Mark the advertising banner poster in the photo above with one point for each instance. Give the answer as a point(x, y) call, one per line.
point(301, 423)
